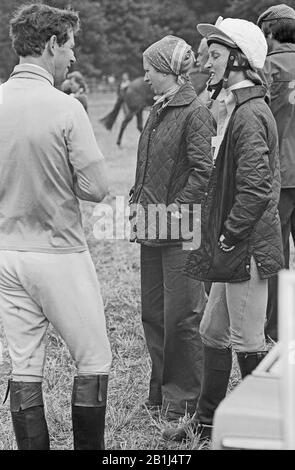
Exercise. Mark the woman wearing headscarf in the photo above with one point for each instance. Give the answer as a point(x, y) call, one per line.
point(173, 168)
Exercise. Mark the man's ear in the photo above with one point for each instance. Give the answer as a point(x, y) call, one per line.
point(52, 44)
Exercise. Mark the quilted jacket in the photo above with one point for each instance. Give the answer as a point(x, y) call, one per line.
point(280, 76)
point(243, 194)
point(174, 159)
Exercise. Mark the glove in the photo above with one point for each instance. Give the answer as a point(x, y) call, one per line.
point(223, 246)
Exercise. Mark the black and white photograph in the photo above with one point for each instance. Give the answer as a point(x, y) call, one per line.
point(147, 228)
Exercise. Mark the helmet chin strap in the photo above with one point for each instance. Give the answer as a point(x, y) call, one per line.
point(229, 67)
point(217, 89)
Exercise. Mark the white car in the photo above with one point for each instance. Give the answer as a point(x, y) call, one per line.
point(260, 412)
point(250, 417)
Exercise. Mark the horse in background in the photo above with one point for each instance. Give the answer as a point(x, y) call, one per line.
point(137, 97)
point(134, 100)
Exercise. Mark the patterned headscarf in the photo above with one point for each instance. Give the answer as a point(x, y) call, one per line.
point(170, 55)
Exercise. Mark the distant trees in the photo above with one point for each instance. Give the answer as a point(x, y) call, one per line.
point(115, 32)
point(250, 9)
point(7, 56)
point(129, 30)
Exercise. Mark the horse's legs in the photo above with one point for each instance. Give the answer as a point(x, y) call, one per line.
point(139, 121)
point(123, 126)
point(125, 108)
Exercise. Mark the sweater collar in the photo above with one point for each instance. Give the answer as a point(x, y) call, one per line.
point(31, 71)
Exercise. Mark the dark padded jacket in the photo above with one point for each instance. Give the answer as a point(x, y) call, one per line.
point(279, 72)
point(243, 195)
point(174, 157)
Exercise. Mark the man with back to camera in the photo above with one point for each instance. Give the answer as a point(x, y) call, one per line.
point(49, 158)
point(278, 26)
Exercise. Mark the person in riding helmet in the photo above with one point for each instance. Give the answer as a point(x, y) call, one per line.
point(241, 245)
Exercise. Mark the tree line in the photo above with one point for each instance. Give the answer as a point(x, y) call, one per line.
point(114, 33)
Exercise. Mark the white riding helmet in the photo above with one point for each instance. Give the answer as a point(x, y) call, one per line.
point(241, 34)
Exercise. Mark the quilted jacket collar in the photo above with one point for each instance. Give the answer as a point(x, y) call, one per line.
point(184, 96)
point(243, 95)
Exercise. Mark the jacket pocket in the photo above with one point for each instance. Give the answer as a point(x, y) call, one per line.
point(230, 266)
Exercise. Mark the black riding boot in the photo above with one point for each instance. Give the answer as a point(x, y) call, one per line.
point(248, 361)
point(28, 418)
point(88, 411)
point(217, 365)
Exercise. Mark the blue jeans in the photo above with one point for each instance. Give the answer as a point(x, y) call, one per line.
point(172, 307)
point(235, 314)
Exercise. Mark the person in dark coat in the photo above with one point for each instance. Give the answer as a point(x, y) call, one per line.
point(278, 25)
point(241, 244)
point(173, 168)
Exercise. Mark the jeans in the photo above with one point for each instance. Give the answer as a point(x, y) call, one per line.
point(235, 314)
point(172, 307)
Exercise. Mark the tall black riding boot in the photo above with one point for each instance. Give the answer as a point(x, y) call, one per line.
point(28, 418)
point(248, 361)
point(217, 365)
point(88, 411)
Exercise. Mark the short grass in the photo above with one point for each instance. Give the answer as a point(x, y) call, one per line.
point(130, 425)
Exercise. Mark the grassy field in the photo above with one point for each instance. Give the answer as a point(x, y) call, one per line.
point(129, 424)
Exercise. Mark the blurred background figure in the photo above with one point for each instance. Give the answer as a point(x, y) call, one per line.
point(202, 58)
point(66, 87)
point(78, 87)
point(198, 74)
point(124, 82)
point(199, 77)
point(122, 88)
point(112, 82)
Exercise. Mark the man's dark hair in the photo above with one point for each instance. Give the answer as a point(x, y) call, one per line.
point(283, 29)
point(33, 25)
